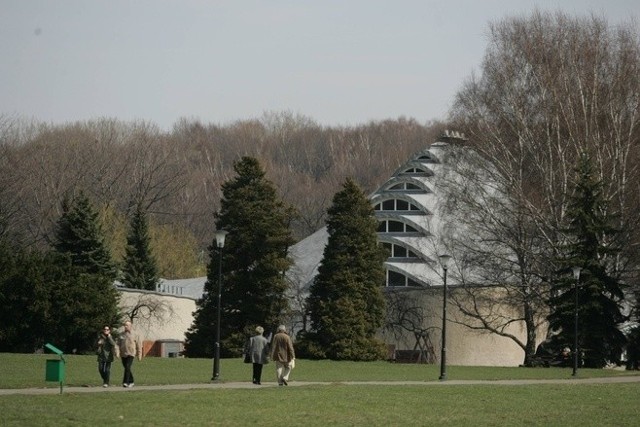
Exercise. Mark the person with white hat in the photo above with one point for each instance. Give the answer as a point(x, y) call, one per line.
point(257, 352)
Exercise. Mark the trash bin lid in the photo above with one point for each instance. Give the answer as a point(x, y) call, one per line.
point(54, 349)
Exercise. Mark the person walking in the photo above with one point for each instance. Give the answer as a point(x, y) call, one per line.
point(107, 350)
point(129, 349)
point(283, 355)
point(257, 349)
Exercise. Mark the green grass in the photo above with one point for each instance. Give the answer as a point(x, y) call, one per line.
point(320, 405)
point(28, 370)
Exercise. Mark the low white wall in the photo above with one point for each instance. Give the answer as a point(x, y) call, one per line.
point(465, 346)
point(173, 314)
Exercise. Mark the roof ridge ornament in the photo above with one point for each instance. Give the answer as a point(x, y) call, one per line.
point(451, 137)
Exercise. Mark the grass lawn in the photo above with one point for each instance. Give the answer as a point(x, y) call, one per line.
point(320, 405)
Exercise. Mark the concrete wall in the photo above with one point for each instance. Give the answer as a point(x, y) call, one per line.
point(465, 346)
point(173, 315)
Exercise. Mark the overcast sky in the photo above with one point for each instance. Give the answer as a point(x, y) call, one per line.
point(341, 62)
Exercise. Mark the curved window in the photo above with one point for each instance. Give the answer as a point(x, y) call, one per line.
point(404, 186)
point(391, 226)
point(415, 170)
point(425, 158)
point(397, 251)
point(398, 279)
point(396, 205)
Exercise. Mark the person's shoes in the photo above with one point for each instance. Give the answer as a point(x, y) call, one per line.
point(125, 385)
point(280, 384)
point(130, 385)
point(105, 385)
point(285, 382)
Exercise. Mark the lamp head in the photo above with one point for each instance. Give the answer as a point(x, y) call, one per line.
point(576, 272)
point(220, 236)
point(444, 260)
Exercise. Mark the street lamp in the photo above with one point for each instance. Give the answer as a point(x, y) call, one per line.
point(444, 262)
point(220, 236)
point(576, 275)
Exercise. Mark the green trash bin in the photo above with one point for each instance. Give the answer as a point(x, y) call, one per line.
point(55, 370)
point(55, 367)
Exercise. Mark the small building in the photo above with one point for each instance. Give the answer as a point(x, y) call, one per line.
point(162, 318)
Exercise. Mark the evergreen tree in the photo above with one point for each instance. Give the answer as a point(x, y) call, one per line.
point(25, 299)
point(79, 235)
point(254, 264)
point(47, 299)
point(346, 305)
point(81, 303)
point(600, 294)
point(139, 269)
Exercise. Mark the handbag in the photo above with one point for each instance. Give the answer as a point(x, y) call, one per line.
point(247, 351)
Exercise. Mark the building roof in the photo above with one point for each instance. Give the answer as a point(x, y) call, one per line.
point(407, 206)
point(423, 239)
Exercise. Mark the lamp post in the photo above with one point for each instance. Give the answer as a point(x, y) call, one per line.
point(220, 236)
point(444, 262)
point(576, 276)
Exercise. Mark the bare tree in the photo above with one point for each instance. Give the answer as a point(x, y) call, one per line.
point(178, 175)
point(148, 310)
point(407, 314)
point(551, 87)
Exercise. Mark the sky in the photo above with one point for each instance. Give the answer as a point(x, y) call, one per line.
point(337, 62)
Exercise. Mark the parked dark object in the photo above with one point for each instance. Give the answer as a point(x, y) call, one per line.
point(548, 357)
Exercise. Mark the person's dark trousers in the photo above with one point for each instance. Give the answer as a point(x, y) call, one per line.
point(127, 362)
point(257, 372)
point(105, 371)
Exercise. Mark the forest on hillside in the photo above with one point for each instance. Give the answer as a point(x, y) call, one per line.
point(177, 175)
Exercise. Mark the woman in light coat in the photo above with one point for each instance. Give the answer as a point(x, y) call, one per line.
point(257, 352)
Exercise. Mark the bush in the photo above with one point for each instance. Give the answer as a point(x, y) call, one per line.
point(359, 349)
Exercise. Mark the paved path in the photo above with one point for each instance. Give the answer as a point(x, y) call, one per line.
point(240, 385)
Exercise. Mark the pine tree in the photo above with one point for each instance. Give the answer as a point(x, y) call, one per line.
point(139, 269)
point(254, 264)
point(346, 305)
point(80, 304)
point(79, 235)
point(47, 299)
point(600, 294)
point(80, 279)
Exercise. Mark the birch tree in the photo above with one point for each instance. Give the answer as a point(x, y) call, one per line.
point(551, 87)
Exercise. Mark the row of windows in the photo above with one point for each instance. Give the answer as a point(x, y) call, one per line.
point(390, 226)
point(395, 205)
point(395, 279)
point(397, 251)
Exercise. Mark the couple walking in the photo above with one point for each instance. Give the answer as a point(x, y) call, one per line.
point(282, 353)
point(127, 349)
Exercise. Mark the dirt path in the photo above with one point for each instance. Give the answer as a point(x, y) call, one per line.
point(243, 385)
